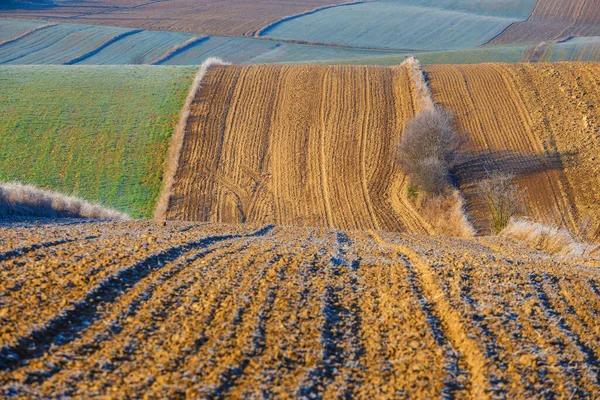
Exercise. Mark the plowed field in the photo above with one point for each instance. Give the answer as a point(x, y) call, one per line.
point(217, 17)
point(540, 122)
point(303, 145)
point(135, 309)
point(555, 20)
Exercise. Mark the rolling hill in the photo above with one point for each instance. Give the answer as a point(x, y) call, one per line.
point(101, 133)
point(230, 311)
point(404, 25)
point(555, 20)
point(294, 146)
point(311, 146)
point(213, 17)
point(540, 122)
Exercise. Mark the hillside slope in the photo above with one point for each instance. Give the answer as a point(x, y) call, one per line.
point(100, 133)
point(540, 122)
point(555, 20)
point(300, 145)
point(128, 309)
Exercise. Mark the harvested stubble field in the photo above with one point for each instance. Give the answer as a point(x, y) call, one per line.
point(540, 122)
point(134, 308)
point(298, 145)
point(555, 20)
point(215, 17)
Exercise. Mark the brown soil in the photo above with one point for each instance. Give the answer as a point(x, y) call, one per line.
point(214, 17)
point(540, 122)
point(301, 145)
point(136, 309)
point(555, 20)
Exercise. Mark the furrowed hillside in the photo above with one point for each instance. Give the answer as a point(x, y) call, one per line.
point(540, 122)
point(315, 146)
point(100, 133)
point(555, 20)
point(236, 311)
point(298, 145)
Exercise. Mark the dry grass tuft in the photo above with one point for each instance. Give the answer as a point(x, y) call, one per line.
point(17, 199)
point(178, 137)
point(447, 216)
point(548, 238)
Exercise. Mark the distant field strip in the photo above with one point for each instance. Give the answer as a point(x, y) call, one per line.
point(205, 17)
point(100, 133)
point(96, 45)
point(555, 20)
point(539, 122)
point(401, 25)
point(133, 309)
point(311, 146)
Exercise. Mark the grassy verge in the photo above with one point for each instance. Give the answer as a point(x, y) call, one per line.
point(100, 133)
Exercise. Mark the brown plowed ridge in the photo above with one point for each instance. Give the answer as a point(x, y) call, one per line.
point(297, 145)
point(135, 309)
point(554, 20)
point(540, 122)
point(214, 17)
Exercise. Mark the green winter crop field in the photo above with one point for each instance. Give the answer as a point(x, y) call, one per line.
point(100, 132)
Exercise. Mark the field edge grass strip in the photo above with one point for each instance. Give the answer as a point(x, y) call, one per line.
point(174, 153)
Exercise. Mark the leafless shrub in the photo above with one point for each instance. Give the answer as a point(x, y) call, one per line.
point(17, 199)
point(503, 199)
point(172, 162)
point(138, 60)
point(429, 148)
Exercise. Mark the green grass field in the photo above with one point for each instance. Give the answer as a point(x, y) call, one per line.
point(99, 132)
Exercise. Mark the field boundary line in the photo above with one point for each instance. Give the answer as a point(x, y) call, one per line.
point(450, 318)
point(101, 47)
point(264, 29)
point(177, 139)
point(25, 34)
point(178, 49)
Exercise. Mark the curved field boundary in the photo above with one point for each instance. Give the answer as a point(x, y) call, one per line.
point(554, 20)
point(101, 47)
point(512, 113)
point(265, 30)
point(310, 146)
point(178, 49)
point(25, 34)
point(177, 139)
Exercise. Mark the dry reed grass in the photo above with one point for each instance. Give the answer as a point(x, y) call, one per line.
point(549, 238)
point(18, 199)
point(172, 162)
point(447, 216)
point(422, 89)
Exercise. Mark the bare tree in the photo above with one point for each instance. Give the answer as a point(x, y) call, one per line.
point(503, 199)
